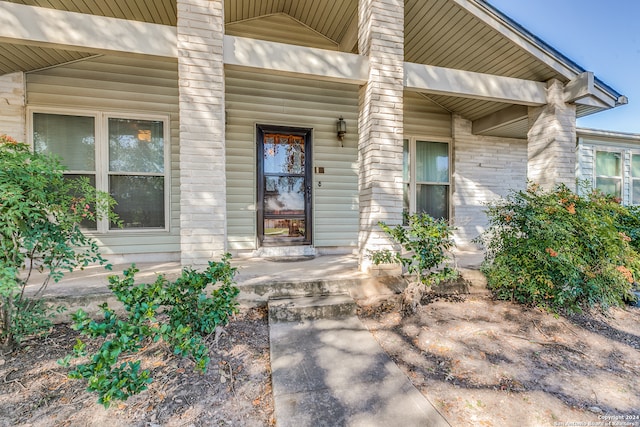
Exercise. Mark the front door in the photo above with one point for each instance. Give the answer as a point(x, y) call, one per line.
point(284, 185)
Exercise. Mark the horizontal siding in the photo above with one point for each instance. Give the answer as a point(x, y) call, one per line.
point(129, 85)
point(422, 117)
point(268, 99)
point(253, 98)
point(279, 27)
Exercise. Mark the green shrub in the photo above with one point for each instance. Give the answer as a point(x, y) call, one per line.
point(558, 250)
point(40, 213)
point(180, 313)
point(424, 242)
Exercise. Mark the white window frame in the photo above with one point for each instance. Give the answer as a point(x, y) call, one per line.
point(595, 175)
point(102, 172)
point(413, 172)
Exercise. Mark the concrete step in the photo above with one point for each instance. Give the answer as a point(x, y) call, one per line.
point(258, 293)
point(311, 307)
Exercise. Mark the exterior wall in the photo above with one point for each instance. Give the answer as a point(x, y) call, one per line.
point(551, 140)
point(485, 168)
point(128, 85)
point(12, 103)
point(586, 154)
point(423, 118)
point(253, 98)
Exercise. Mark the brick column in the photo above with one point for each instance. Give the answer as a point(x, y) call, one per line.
point(552, 140)
point(202, 138)
point(12, 106)
point(381, 38)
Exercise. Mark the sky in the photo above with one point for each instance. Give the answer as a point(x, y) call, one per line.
point(602, 36)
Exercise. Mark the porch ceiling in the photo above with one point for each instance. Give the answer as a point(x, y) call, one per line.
point(444, 33)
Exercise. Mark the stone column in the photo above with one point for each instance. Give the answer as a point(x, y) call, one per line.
point(203, 222)
point(380, 122)
point(12, 106)
point(552, 140)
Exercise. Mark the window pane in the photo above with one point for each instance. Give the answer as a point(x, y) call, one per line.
point(636, 192)
point(610, 186)
point(433, 199)
point(136, 146)
point(405, 160)
point(432, 161)
point(635, 165)
point(140, 200)
point(608, 163)
point(70, 137)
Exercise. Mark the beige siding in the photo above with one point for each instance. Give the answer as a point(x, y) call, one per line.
point(128, 85)
point(424, 118)
point(278, 28)
point(268, 99)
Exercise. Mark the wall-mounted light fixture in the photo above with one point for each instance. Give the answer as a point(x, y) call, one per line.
point(341, 127)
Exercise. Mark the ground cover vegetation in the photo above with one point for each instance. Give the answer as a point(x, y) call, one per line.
point(181, 313)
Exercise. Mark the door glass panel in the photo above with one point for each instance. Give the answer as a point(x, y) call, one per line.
point(274, 228)
point(284, 195)
point(285, 192)
point(283, 154)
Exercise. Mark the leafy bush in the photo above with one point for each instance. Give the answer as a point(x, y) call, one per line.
point(180, 313)
point(424, 242)
point(40, 213)
point(558, 250)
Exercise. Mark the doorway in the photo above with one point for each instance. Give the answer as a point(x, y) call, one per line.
point(284, 185)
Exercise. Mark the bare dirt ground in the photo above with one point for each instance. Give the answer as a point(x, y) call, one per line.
point(480, 362)
point(488, 363)
point(235, 390)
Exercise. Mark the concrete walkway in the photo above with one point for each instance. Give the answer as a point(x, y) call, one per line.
point(331, 372)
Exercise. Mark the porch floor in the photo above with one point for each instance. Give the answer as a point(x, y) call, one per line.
point(253, 277)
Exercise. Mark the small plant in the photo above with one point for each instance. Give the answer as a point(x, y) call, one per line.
point(179, 313)
point(559, 250)
point(40, 213)
point(424, 243)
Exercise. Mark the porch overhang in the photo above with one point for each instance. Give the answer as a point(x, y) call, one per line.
point(43, 27)
point(503, 97)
